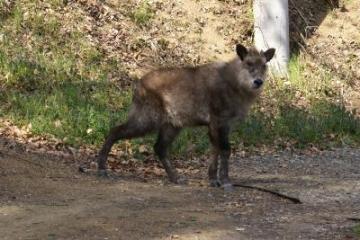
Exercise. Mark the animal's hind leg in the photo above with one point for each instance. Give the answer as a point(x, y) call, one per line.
point(131, 129)
point(166, 136)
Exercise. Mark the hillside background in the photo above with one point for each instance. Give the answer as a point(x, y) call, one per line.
point(67, 69)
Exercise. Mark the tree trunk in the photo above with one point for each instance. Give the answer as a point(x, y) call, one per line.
point(272, 31)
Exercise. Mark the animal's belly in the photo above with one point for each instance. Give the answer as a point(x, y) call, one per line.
point(187, 118)
point(186, 111)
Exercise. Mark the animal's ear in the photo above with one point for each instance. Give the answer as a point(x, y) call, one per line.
point(269, 54)
point(241, 51)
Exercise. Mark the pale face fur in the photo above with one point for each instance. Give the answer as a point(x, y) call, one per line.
point(252, 68)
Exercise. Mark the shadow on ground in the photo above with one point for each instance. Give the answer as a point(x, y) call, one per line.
point(305, 17)
point(43, 196)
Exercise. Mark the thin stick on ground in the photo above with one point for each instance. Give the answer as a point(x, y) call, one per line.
point(31, 162)
point(281, 195)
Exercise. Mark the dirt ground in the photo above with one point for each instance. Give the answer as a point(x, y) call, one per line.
point(45, 197)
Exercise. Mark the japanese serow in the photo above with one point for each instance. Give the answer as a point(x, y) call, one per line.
point(213, 95)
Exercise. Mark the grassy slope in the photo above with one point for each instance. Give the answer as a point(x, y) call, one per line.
point(53, 78)
point(356, 230)
point(66, 70)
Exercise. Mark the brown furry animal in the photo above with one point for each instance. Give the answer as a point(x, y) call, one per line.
point(215, 94)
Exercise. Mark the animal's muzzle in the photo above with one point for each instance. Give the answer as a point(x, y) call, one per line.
point(258, 83)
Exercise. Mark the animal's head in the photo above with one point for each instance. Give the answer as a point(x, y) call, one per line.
point(253, 67)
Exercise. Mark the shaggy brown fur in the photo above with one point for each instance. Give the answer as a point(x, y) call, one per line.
point(215, 94)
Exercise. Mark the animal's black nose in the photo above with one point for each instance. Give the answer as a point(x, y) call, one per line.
point(258, 82)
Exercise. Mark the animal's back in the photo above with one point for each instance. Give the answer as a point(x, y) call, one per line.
point(181, 93)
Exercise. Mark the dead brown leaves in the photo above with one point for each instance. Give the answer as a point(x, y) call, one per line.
point(173, 36)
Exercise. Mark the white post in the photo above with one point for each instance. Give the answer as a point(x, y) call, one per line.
point(272, 31)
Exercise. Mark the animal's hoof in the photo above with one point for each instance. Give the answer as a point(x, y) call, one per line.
point(214, 183)
point(83, 169)
point(228, 187)
point(102, 173)
point(180, 180)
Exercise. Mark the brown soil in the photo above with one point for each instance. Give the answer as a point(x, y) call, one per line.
point(44, 197)
point(336, 45)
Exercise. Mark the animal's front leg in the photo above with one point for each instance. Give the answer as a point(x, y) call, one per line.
point(213, 169)
point(219, 137)
point(214, 163)
point(225, 150)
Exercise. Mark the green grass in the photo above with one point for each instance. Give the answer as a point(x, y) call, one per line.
point(75, 113)
point(317, 124)
point(57, 82)
point(143, 13)
point(356, 230)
